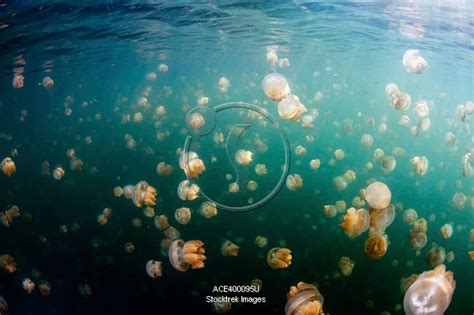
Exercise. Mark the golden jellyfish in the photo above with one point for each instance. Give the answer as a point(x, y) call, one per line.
point(229, 249)
point(118, 191)
point(446, 231)
point(182, 215)
point(367, 140)
point(449, 256)
point(284, 63)
point(420, 164)
point(8, 166)
point(18, 81)
point(279, 258)
point(307, 121)
point(355, 222)
point(339, 183)
point(349, 176)
point(275, 86)
point(102, 219)
point(203, 100)
point(75, 164)
point(252, 185)
point(208, 209)
point(221, 305)
point(233, 187)
point(243, 157)
point(409, 216)
point(137, 117)
point(294, 182)
point(7, 263)
point(261, 241)
point(391, 89)
point(183, 255)
point(218, 138)
point(28, 285)
point(44, 288)
point(272, 57)
point(471, 254)
point(300, 150)
point(418, 238)
point(172, 233)
point(161, 222)
point(136, 223)
point(129, 247)
point(436, 256)
point(163, 169)
point(449, 138)
point(260, 169)
point(47, 83)
point(401, 100)
point(192, 165)
point(144, 194)
point(315, 164)
point(151, 76)
point(378, 195)
point(376, 246)
point(107, 212)
point(380, 219)
point(346, 265)
point(188, 191)
point(154, 269)
point(414, 62)
point(388, 164)
point(128, 191)
point(291, 108)
point(421, 109)
point(8, 216)
point(378, 154)
point(196, 121)
point(330, 211)
point(160, 111)
point(404, 121)
point(339, 154)
point(405, 283)
point(459, 201)
point(163, 67)
point(431, 293)
point(341, 206)
point(149, 212)
point(224, 84)
point(58, 173)
point(304, 299)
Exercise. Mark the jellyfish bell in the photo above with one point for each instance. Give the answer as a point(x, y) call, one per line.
point(261, 241)
point(436, 256)
point(367, 140)
point(182, 215)
point(315, 164)
point(28, 285)
point(260, 169)
point(58, 173)
point(47, 83)
point(243, 157)
point(401, 101)
point(154, 269)
point(388, 164)
point(304, 299)
point(8, 166)
point(224, 84)
point(378, 195)
point(291, 108)
point(446, 231)
point(414, 62)
point(294, 182)
point(18, 81)
point(196, 121)
point(376, 246)
point(431, 293)
point(391, 89)
point(183, 255)
point(44, 288)
point(355, 222)
point(188, 191)
point(208, 209)
point(340, 183)
point(229, 249)
point(421, 109)
point(380, 219)
point(275, 86)
point(409, 216)
point(279, 258)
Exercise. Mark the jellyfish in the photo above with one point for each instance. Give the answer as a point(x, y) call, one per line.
point(8, 166)
point(459, 201)
point(208, 209)
point(47, 83)
point(85, 290)
point(8, 216)
point(163, 67)
point(409, 216)
point(380, 219)
point(18, 81)
point(405, 283)
point(243, 157)
point(378, 195)
point(154, 269)
point(294, 182)
point(7, 263)
point(182, 215)
point(172, 233)
point(221, 306)
point(349, 176)
point(107, 212)
point(378, 154)
point(413, 62)
point(304, 299)
point(346, 265)
point(144, 194)
point(307, 121)
point(224, 84)
point(339, 154)
point(234, 187)
point(252, 185)
point(183, 255)
point(449, 256)
point(102, 219)
point(367, 140)
point(196, 121)
point(290, 108)
point(401, 100)
point(192, 165)
point(376, 246)
point(418, 238)
point(279, 258)
point(339, 183)
point(129, 247)
point(471, 254)
point(404, 121)
point(58, 173)
point(355, 222)
point(421, 109)
point(260, 169)
point(446, 231)
point(188, 191)
point(300, 150)
point(275, 86)
point(388, 164)
point(391, 89)
point(28, 285)
point(330, 211)
point(118, 191)
point(44, 287)
point(436, 256)
point(261, 241)
point(431, 293)
point(315, 164)
point(229, 249)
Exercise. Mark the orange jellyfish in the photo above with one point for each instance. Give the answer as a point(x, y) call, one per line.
point(260, 169)
point(229, 249)
point(291, 108)
point(208, 209)
point(471, 254)
point(18, 81)
point(315, 164)
point(304, 299)
point(196, 121)
point(154, 269)
point(144, 194)
point(436, 256)
point(192, 165)
point(8, 216)
point(279, 258)
point(118, 191)
point(243, 157)
point(355, 222)
point(380, 219)
point(446, 231)
point(330, 211)
point(188, 191)
point(28, 285)
point(163, 169)
point(7, 263)
point(58, 173)
point(48, 83)
point(183, 255)
point(431, 293)
point(376, 246)
point(378, 195)
point(420, 164)
point(44, 287)
point(294, 182)
point(8, 166)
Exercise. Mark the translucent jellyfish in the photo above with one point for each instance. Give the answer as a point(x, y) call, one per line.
point(380, 219)
point(300, 150)
point(307, 121)
point(421, 109)
point(405, 283)
point(367, 140)
point(224, 84)
point(401, 100)
point(346, 265)
point(413, 62)
point(28, 285)
point(9, 215)
point(136, 223)
point(8, 166)
point(144, 194)
point(188, 191)
point(339, 154)
point(431, 293)
point(449, 138)
point(330, 211)
point(261, 241)
point(436, 256)
point(388, 164)
point(47, 83)
point(272, 57)
point(154, 269)
point(279, 258)
point(355, 222)
point(85, 290)
point(163, 169)
point(449, 257)
point(243, 157)
point(284, 63)
point(275, 86)
point(196, 121)
point(341, 206)
point(182, 215)
point(128, 191)
point(44, 288)
point(192, 165)
point(221, 306)
point(349, 176)
point(252, 185)
point(172, 233)
point(446, 231)
point(418, 238)
point(304, 299)
point(218, 138)
point(404, 121)
point(233, 187)
point(391, 89)
point(459, 200)
point(260, 169)
point(471, 254)
point(229, 249)
point(183, 255)
point(315, 164)
point(378, 195)
point(18, 81)
point(129, 247)
point(163, 67)
point(409, 216)
point(376, 246)
point(58, 173)
point(7, 263)
point(208, 209)
point(339, 183)
point(378, 154)
point(290, 108)
point(294, 182)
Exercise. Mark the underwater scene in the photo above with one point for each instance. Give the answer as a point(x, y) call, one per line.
point(237, 157)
